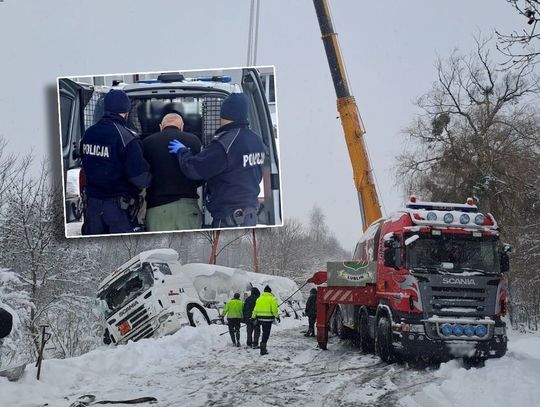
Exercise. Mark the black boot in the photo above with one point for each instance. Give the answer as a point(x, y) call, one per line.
point(255, 345)
point(263, 349)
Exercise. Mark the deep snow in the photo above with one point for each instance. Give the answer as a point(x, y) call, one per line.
point(198, 367)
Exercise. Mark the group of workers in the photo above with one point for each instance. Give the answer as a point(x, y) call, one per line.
point(169, 166)
point(259, 312)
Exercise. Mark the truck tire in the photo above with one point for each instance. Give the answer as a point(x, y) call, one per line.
point(107, 337)
point(197, 315)
point(383, 340)
point(341, 330)
point(364, 339)
point(333, 324)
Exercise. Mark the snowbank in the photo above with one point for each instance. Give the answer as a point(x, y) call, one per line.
point(510, 381)
point(106, 370)
point(150, 367)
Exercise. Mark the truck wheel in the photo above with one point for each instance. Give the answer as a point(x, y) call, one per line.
point(197, 315)
point(341, 330)
point(383, 340)
point(365, 341)
point(473, 362)
point(333, 324)
point(107, 337)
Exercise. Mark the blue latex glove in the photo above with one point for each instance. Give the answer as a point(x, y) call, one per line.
point(175, 146)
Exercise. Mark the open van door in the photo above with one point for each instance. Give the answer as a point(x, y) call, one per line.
point(261, 123)
point(72, 99)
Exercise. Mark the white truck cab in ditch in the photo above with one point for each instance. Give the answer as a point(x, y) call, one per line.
point(147, 297)
point(153, 295)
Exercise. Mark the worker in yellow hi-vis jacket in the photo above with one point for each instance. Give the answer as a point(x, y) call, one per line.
point(234, 310)
point(265, 312)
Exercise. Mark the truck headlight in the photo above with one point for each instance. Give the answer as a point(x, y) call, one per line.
point(479, 219)
point(164, 317)
point(431, 216)
point(480, 330)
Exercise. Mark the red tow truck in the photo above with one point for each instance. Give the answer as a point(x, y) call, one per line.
point(427, 283)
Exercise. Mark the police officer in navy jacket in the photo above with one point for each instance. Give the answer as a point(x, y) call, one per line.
point(115, 170)
point(232, 166)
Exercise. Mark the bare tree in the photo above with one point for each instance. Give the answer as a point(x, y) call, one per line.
point(520, 45)
point(318, 229)
point(476, 135)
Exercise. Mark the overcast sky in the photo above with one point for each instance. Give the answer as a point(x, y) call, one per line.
point(389, 49)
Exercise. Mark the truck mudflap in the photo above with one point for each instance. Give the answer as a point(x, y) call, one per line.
point(417, 345)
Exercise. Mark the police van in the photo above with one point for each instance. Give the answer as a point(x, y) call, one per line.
point(197, 98)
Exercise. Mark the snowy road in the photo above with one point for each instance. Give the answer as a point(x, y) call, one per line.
point(198, 367)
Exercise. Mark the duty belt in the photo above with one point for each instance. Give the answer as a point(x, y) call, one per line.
point(239, 215)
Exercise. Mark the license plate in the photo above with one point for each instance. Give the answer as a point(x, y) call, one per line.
point(124, 328)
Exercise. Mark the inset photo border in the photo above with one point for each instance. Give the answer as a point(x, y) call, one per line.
point(182, 150)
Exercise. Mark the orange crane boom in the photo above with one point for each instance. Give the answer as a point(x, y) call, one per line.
point(350, 120)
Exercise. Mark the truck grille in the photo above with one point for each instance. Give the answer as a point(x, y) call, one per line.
point(140, 323)
point(451, 300)
point(442, 299)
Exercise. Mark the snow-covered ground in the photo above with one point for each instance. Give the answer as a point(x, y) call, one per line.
point(198, 367)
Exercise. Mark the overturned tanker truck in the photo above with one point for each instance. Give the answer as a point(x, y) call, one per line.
point(153, 295)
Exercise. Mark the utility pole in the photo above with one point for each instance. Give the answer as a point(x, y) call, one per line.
point(253, 35)
point(215, 244)
point(255, 260)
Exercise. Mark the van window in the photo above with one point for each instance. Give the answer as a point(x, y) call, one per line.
point(200, 114)
point(66, 104)
point(269, 87)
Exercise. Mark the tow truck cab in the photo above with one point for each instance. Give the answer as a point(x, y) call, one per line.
point(437, 276)
point(197, 99)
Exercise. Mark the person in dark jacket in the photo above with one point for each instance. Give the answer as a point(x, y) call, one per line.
point(115, 170)
point(172, 199)
point(311, 311)
point(6, 323)
point(232, 166)
point(253, 330)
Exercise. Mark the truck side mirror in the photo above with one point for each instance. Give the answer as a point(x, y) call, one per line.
point(391, 253)
point(390, 257)
point(505, 262)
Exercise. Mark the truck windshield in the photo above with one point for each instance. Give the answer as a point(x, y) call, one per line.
point(452, 253)
point(126, 288)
